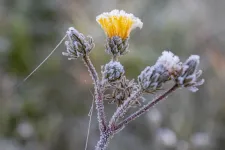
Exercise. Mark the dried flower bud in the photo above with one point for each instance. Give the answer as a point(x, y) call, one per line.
point(189, 75)
point(121, 91)
point(116, 46)
point(112, 71)
point(152, 78)
point(77, 45)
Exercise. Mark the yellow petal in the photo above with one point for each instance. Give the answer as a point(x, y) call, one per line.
point(118, 23)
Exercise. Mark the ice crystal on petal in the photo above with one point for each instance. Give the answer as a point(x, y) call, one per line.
point(118, 23)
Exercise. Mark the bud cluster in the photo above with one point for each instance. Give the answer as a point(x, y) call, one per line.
point(116, 46)
point(77, 45)
point(189, 76)
point(167, 67)
point(112, 71)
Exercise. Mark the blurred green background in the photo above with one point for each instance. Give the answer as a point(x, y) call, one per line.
point(50, 110)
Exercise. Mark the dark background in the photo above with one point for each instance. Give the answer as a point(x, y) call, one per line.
point(50, 110)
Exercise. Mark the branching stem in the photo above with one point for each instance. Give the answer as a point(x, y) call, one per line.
point(124, 107)
point(104, 140)
point(145, 108)
point(98, 94)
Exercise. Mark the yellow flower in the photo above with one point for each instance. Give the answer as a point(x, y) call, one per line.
point(118, 23)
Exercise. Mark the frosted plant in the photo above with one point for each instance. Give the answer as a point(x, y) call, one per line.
point(115, 87)
point(117, 26)
point(112, 71)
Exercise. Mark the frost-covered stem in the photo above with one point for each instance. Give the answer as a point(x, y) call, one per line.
point(104, 140)
point(145, 108)
point(98, 94)
point(123, 108)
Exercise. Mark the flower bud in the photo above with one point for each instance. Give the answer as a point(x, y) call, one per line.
point(116, 46)
point(77, 45)
point(112, 71)
point(152, 78)
point(170, 62)
point(189, 75)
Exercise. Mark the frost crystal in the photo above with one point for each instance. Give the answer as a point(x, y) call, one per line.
point(113, 71)
point(189, 76)
point(170, 61)
point(116, 46)
point(77, 45)
point(118, 23)
point(152, 78)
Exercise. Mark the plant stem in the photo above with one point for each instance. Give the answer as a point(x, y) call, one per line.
point(98, 94)
point(145, 108)
point(104, 140)
point(123, 108)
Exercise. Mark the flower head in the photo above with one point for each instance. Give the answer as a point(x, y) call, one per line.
point(118, 23)
point(170, 61)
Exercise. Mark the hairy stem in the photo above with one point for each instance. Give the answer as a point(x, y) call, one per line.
point(104, 140)
point(145, 108)
point(98, 94)
point(123, 108)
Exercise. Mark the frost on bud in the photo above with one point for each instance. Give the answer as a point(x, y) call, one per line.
point(117, 46)
point(152, 78)
point(112, 71)
point(171, 63)
point(77, 44)
point(189, 76)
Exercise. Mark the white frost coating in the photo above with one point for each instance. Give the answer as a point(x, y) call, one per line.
point(195, 58)
point(72, 30)
point(170, 61)
point(114, 65)
point(136, 21)
point(113, 70)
